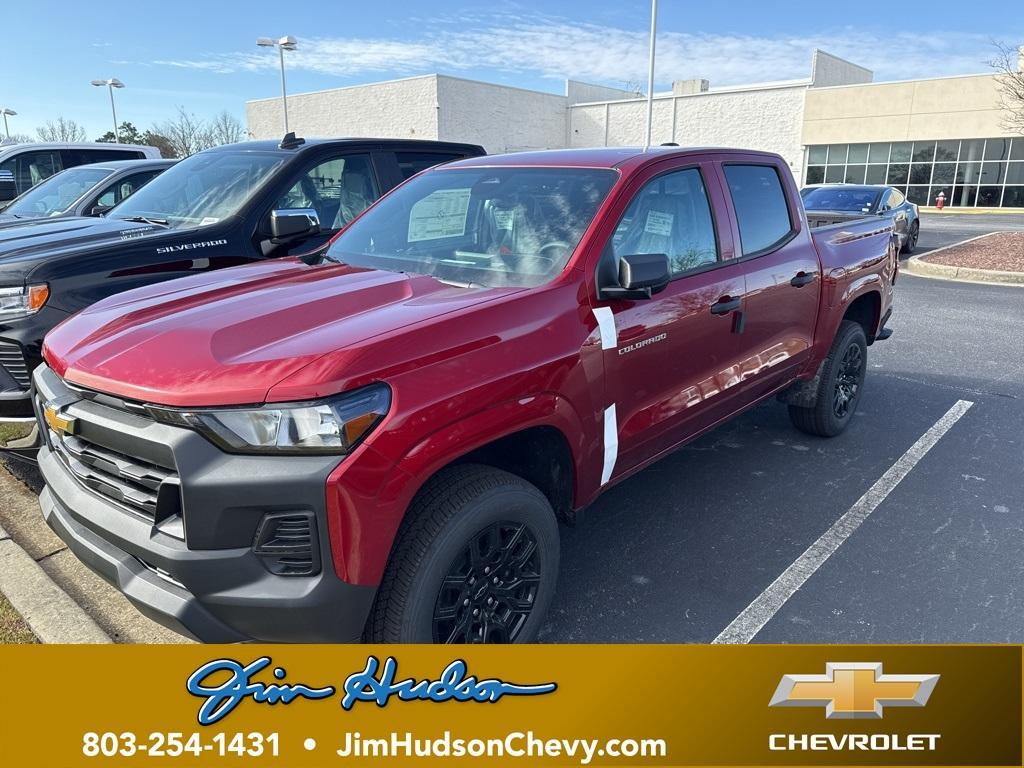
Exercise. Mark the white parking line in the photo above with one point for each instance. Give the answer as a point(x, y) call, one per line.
point(744, 627)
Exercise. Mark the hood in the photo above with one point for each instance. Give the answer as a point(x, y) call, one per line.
point(10, 220)
point(30, 238)
point(226, 338)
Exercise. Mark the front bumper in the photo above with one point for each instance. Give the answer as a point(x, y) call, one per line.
point(194, 567)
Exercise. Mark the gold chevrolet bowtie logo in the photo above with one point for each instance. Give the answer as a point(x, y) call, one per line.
point(57, 422)
point(853, 690)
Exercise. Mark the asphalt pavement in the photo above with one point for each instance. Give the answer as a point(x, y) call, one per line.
point(677, 552)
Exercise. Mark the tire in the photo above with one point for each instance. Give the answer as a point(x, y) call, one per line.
point(911, 244)
point(843, 370)
point(473, 535)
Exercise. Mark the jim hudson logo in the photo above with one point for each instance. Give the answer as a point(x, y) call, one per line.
point(853, 691)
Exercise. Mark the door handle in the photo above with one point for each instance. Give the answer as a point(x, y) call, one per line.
point(725, 305)
point(801, 279)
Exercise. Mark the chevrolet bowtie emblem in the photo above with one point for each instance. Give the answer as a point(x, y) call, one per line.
point(853, 690)
point(57, 422)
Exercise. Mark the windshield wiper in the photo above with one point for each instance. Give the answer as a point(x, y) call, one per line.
point(148, 220)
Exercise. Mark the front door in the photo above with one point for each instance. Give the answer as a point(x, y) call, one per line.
point(670, 360)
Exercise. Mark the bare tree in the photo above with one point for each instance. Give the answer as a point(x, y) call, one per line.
point(18, 138)
point(225, 128)
point(186, 134)
point(62, 129)
point(1009, 66)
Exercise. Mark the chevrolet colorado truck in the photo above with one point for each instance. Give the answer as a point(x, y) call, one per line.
point(378, 442)
point(230, 205)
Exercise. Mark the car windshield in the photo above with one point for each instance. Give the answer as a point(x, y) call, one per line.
point(478, 227)
point(858, 199)
point(55, 195)
point(200, 190)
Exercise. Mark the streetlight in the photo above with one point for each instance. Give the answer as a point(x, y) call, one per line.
point(650, 72)
point(5, 112)
point(286, 43)
point(111, 84)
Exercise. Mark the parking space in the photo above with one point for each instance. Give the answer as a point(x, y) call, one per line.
point(677, 552)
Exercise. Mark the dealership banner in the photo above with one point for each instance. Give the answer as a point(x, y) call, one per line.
point(562, 705)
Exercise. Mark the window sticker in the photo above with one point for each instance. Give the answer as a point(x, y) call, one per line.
point(440, 214)
point(503, 219)
point(658, 223)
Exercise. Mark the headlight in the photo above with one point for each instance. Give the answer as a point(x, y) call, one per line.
point(23, 301)
point(329, 426)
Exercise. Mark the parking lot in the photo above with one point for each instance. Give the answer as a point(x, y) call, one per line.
point(677, 552)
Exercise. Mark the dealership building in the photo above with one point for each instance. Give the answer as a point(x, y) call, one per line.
point(924, 136)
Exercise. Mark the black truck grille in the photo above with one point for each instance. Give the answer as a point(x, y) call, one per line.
point(13, 361)
point(145, 488)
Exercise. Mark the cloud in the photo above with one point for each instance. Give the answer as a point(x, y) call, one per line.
point(553, 47)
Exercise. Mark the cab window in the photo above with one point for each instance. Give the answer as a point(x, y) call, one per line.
point(762, 212)
point(671, 214)
point(121, 190)
point(338, 190)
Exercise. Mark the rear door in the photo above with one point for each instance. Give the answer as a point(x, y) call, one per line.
point(783, 274)
point(670, 361)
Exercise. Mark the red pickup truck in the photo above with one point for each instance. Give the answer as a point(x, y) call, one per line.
point(377, 441)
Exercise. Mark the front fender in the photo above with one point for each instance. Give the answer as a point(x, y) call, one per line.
point(363, 526)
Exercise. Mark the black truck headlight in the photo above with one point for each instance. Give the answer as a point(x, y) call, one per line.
point(335, 425)
point(23, 301)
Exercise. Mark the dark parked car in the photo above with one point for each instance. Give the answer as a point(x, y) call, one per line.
point(87, 190)
point(833, 203)
point(226, 206)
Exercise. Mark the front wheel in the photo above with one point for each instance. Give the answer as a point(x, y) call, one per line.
point(475, 562)
point(839, 386)
point(912, 235)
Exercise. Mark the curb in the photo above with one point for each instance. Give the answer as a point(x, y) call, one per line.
point(915, 266)
point(51, 614)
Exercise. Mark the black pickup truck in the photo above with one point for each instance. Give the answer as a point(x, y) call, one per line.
point(222, 207)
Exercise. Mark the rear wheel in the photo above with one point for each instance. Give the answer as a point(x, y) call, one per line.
point(476, 562)
point(839, 386)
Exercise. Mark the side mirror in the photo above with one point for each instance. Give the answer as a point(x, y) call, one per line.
point(288, 224)
point(100, 210)
point(640, 277)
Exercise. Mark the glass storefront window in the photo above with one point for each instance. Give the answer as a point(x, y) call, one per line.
point(897, 173)
point(878, 153)
point(997, 149)
point(920, 173)
point(837, 154)
point(858, 154)
point(817, 155)
point(924, 151)
point(901, 152)
point(876, 174)
point(971, 172)
point(946, 151)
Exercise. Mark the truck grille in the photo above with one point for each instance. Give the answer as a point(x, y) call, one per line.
point(147, 489)
point(13, 361)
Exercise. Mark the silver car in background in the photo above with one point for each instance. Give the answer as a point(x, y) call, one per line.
point(85, 190)
point(833, 203)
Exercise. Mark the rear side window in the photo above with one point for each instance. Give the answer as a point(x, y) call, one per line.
point(760, 204)
point(411, 163)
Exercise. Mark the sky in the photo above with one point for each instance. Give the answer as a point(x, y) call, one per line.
point(202, 55)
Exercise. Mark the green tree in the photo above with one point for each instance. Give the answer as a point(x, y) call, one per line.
point(127, 132)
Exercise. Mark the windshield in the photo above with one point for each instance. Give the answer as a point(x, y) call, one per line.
point(858, 199)
point(201, 189)
point(485, 227)
point(55, 195)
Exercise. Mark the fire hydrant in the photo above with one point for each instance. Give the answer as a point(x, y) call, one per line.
point(940, 200)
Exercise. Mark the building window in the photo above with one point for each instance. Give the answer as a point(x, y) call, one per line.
point(970, 172)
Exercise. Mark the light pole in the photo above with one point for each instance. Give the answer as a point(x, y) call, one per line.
point(286, 43)
point(5, 112)
point(111, 84)
point(650, 73)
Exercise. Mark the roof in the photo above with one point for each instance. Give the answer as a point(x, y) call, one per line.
point(274, 145)
point(118, 165)
point(600, 157)
point(34, 145)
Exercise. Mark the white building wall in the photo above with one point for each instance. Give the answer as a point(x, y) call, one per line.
point(827, 70)
point(766, 118)
point(405, 109)
point(500, 117)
